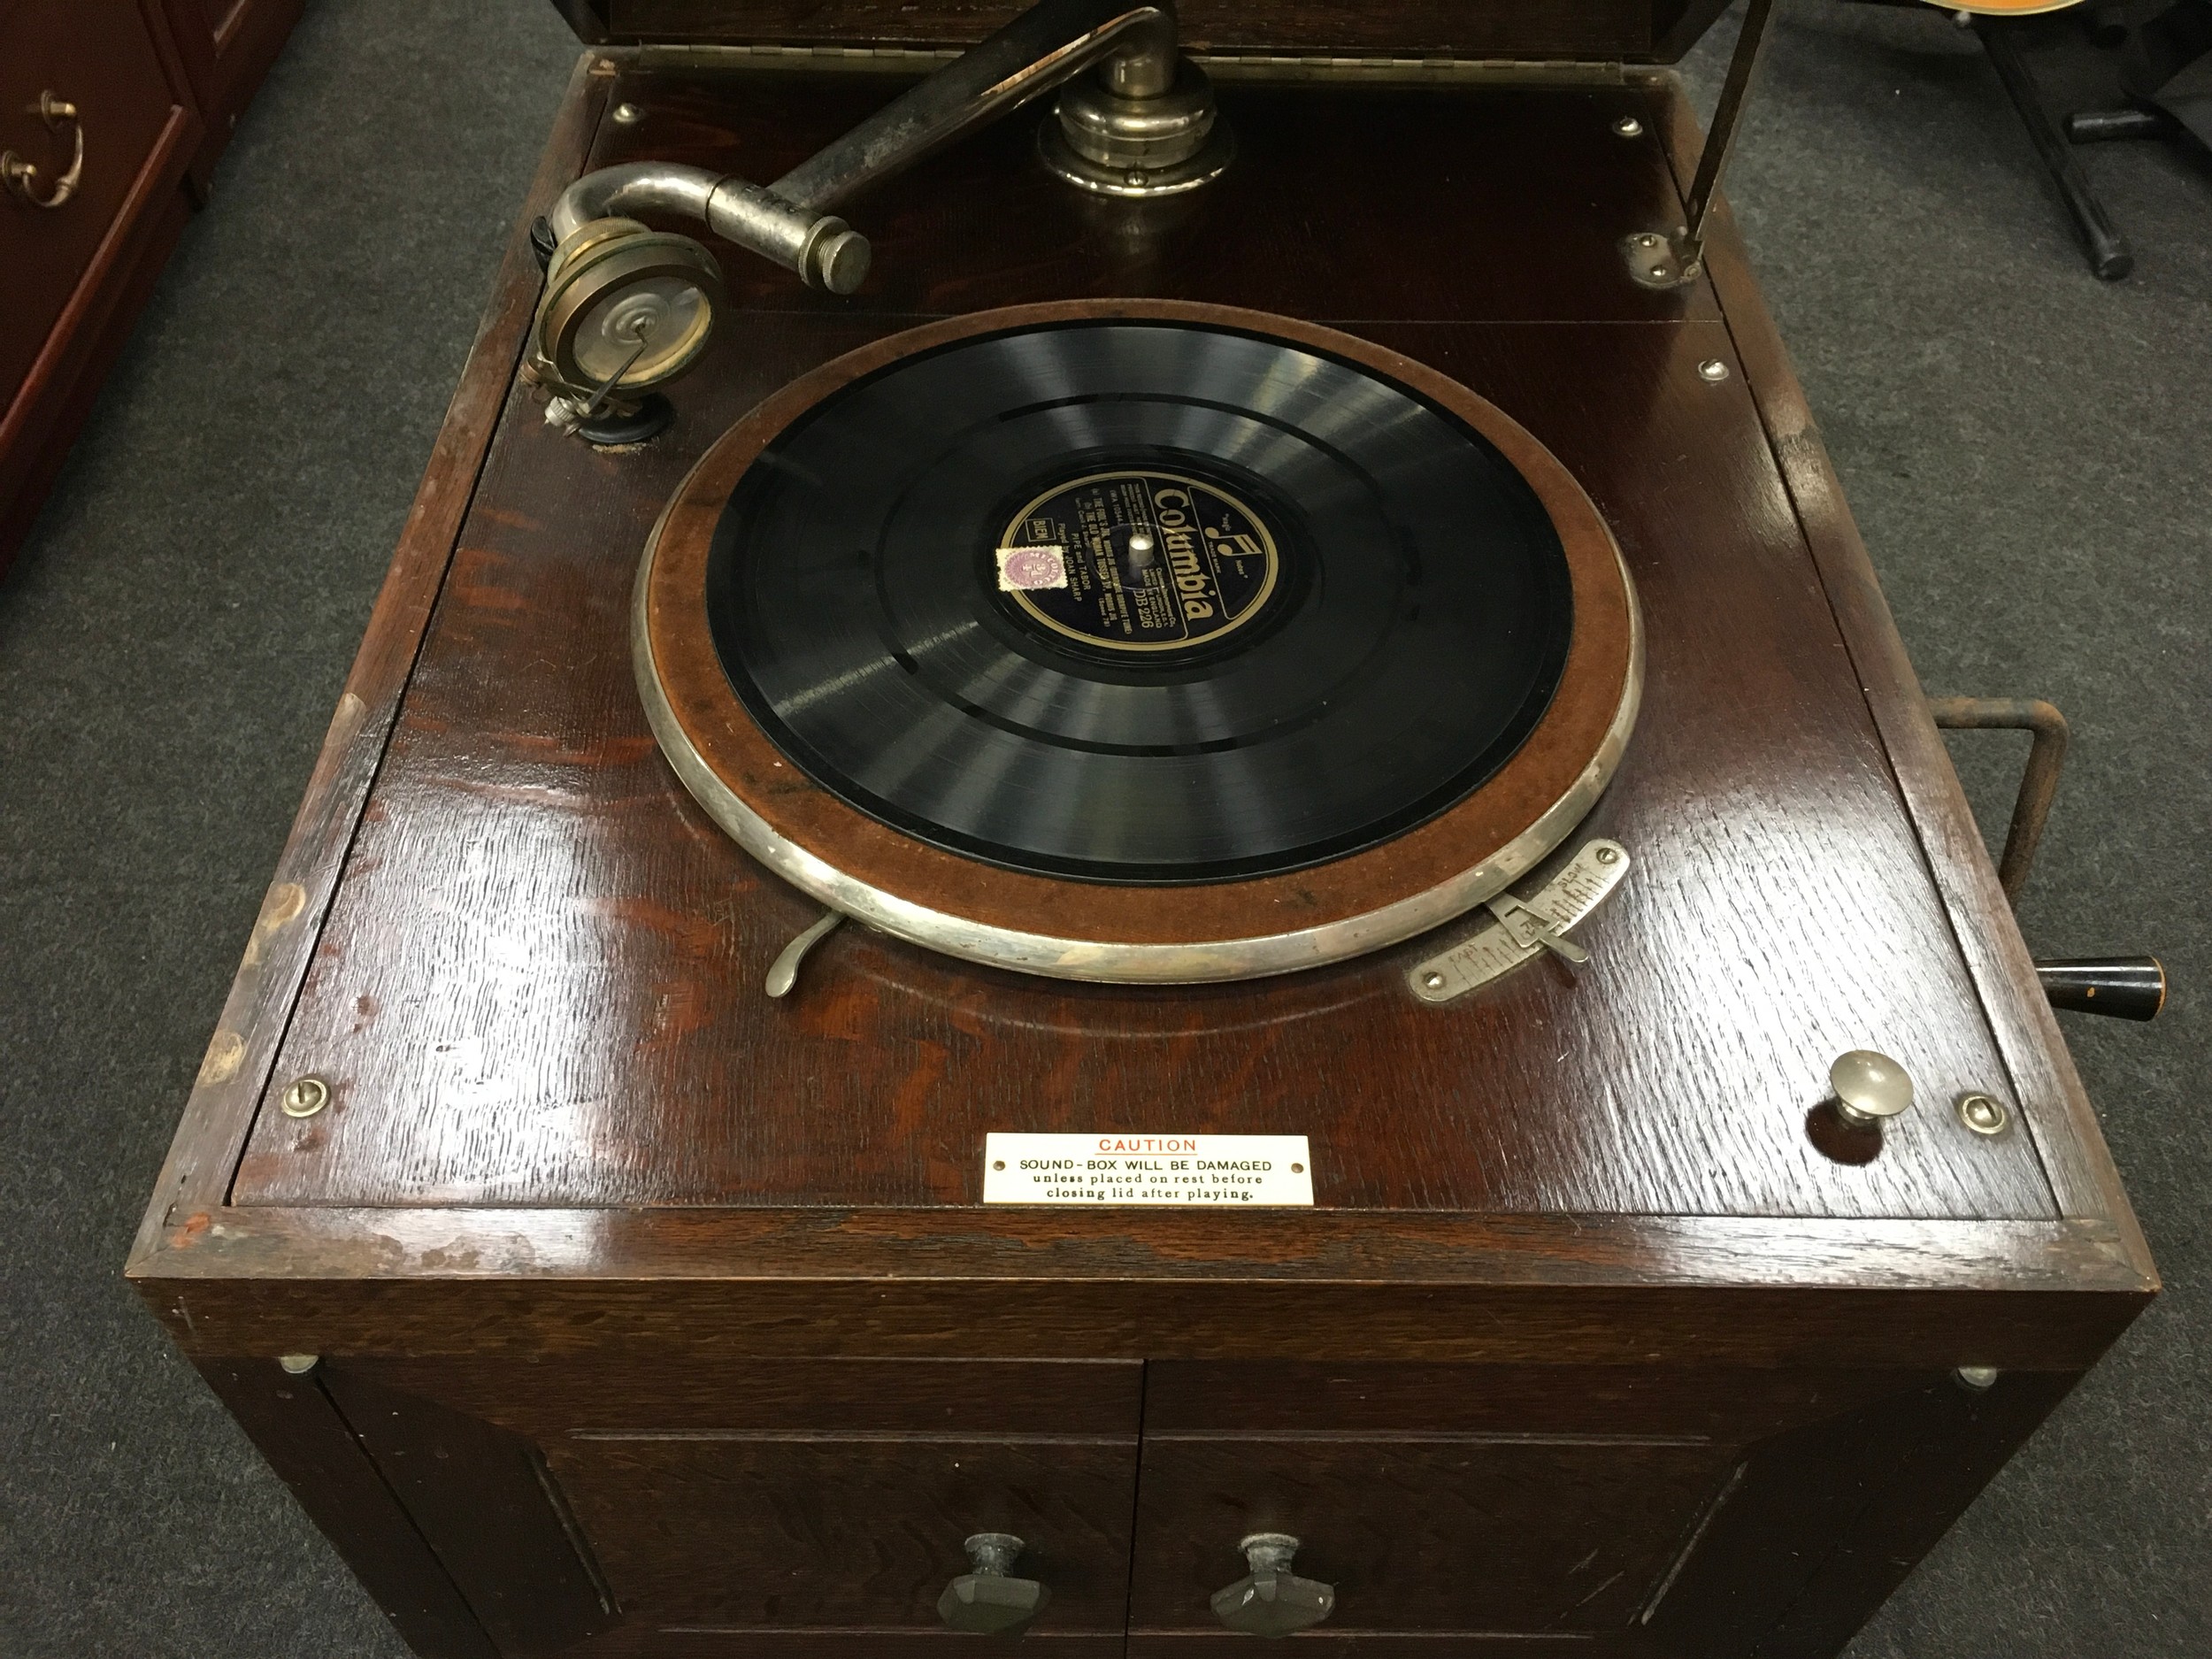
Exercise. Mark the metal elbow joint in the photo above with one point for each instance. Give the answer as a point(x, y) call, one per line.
point(826, 252)
point(627, 308)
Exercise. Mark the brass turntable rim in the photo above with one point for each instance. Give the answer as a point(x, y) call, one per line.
point(1072, 929)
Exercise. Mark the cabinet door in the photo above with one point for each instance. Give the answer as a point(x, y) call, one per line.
point(763, 1507)
point(1423, 1533)
point(1618, 1511)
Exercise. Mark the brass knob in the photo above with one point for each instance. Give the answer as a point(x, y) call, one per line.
point(1270, 1600)
point(989, 1602)
point(21, 176)
point(1869, 1088)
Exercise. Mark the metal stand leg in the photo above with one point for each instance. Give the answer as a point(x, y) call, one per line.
point(2110, 256)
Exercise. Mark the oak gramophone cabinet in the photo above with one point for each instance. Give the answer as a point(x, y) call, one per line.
point(1661, 1277)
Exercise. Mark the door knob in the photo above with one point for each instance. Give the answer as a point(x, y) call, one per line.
point(987, 1601)
point(1270, 1600)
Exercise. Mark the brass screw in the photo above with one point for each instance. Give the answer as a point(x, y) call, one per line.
point(297, 1364)
point(628, 114)
point(1433, 981)
point(1976, 1377)
point(1629, 126)
point(1712, 369)
point(304, 1097)
point(1607, 856)
point(1983, 1114)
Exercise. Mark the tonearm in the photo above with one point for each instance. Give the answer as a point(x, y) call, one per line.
point(627, 308)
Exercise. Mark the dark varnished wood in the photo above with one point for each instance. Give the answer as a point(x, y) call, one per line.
point(480, 1052)
point(1824, 1520)
point(664, 1389)
point(2064, 1126)
point(708, 1270)
point(1573, 1289)
point(105, 59)
point(505, 1532)
point(308, 1443)
point(746, 1533)
point(1431, 1533)
point(1679, 1400)
point(753, 1496)
point(234, 1070)
point(982, 224)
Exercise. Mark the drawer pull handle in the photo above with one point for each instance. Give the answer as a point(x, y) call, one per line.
point(989, 1601)
point(22, 176)
point(1270, 1600)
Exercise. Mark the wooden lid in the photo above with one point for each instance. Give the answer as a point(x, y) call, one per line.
point(1588, 31)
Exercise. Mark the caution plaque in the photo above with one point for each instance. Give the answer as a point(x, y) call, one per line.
point(1220, 1171)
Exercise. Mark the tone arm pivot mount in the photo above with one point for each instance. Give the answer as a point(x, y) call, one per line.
point(1139, 122)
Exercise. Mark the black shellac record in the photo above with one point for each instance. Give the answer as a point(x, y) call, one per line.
point(1138, 601)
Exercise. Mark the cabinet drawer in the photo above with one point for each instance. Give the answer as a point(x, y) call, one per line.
point(99, 56)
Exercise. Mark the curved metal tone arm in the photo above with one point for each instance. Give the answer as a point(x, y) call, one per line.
point(821, 247)
point(637, 187)
point(790, 221)
point(1053, 42)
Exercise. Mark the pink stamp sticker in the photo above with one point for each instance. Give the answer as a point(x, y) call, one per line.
point(1026, 568)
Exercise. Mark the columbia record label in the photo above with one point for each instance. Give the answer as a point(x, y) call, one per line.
point(1156, 561)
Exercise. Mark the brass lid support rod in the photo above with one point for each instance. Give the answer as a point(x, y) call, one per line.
point(1671, 260)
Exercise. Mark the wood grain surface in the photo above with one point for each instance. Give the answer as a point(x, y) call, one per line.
point(538, 983)
point(203, 1159)
point(1590, 1347)
point(744, 1533)
point(308, 1443)
point(503, 1285)
point(2056, 1108)
point(502, 1533)
point(764, 1497)
point(1429, 1534)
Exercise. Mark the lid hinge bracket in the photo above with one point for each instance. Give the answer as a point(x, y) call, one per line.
point(1673, 259)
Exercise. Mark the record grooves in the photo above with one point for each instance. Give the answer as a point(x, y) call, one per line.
point(1283, 607)
point(1137, 641)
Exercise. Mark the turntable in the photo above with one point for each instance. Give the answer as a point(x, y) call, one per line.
point(1131, 853)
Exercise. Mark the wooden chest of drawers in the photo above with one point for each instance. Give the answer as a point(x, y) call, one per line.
point(608, 1308)
point(129, 102)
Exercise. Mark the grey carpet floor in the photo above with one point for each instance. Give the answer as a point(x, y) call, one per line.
point(2026, 450)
